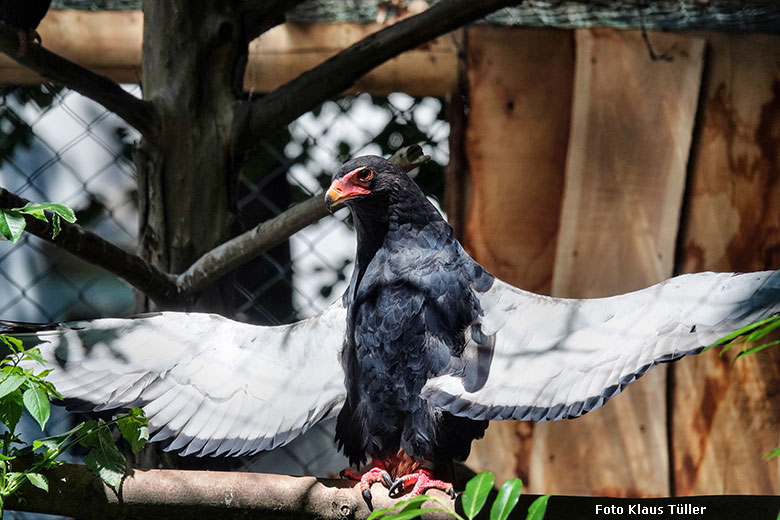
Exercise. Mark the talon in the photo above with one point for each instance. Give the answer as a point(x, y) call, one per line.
point(394, 488)
point(387, 480)
point(422, 481)
point(367, 497)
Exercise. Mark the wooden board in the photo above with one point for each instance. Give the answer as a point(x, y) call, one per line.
point(519, 83)
point(109, 43)
point(632, 121)
point(725, 417)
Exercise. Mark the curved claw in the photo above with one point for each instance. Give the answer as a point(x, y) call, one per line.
point(387, 480)
point(451, 493)
point(367, 497)
point(396, 488)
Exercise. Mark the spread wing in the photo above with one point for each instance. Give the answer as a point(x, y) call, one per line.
point(558, 358)
point(209, 385)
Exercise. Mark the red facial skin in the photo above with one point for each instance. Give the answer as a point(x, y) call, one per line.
point(353, 184)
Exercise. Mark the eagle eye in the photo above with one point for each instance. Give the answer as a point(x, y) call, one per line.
point(365, 175)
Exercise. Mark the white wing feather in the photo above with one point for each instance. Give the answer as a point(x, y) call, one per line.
point(208, 384)
point(559, 358)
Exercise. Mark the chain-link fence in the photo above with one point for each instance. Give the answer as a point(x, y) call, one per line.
point(58, 146)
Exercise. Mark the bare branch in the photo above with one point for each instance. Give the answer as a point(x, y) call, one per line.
point(175, 494)
point(251, 244)
point(139, 114)
point(259, 16)
point(91, 248)
point(341, 71)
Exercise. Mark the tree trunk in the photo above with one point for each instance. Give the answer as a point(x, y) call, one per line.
point(193, 68)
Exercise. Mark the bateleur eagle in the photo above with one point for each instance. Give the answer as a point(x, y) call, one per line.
point(424, 348)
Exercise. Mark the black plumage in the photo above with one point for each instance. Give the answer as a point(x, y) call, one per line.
point(410, 305)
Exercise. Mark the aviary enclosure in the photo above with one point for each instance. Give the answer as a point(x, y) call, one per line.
point(591, 158)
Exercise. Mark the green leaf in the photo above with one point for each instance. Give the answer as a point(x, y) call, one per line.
point(105, 460)
point(35, 355)
point(55, 225)
point(412, 513)
point(741, 332)
point(476, 493)
point(11, 409)
point(401, 505)
point(507, 499)
point(763, 330)
point(538, 508)
point(10, 382)
point(38, 480)
point(758, 348)
point(36, 400)
point(772, 454)
point(135, 430)
point(37, 210)
point(55, 442)
point(11, 225)
point(13, 343)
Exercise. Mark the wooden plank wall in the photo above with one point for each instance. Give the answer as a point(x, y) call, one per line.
point(632, 122)
point(624, 199)
point(727, 415)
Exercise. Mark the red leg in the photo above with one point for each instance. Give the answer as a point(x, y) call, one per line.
point(421, 480)
point(378, 473)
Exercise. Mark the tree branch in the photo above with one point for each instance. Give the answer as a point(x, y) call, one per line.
point(91, 248)
point(139, 114)
point(335, 75)
point(175, 494)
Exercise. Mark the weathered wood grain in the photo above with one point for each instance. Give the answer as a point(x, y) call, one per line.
point(632, 121)
point(727, 415)
point(519, 84)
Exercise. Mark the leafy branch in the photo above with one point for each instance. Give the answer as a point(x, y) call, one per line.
point(24, 389)
point(12, 221)
point(750, 334)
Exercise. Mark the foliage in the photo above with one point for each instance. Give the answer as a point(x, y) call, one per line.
point(750, 334)
point(472, 501)
point(24, 389)
point(12, 221)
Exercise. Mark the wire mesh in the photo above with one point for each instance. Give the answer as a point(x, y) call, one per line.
point(58, 146)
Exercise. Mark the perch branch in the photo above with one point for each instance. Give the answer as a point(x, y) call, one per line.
point(251, 244)
point(139, 114)
point(335, 75)
point(91, 248)
point(174, 494)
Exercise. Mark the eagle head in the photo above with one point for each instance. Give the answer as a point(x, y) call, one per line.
point(364, 180)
